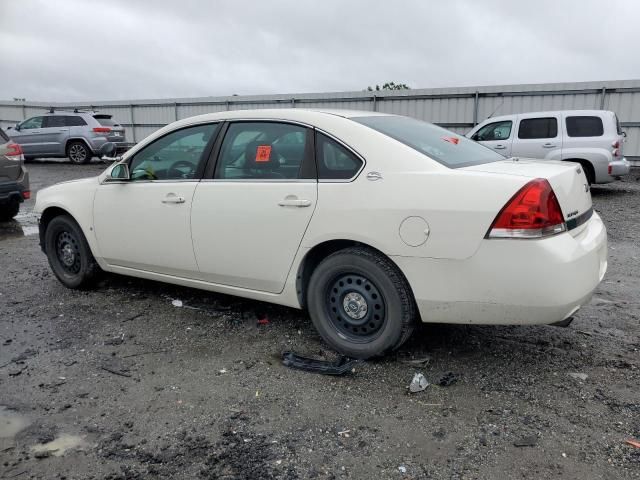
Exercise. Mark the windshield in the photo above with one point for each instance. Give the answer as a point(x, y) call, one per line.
point(448, 148)
point(106, 121)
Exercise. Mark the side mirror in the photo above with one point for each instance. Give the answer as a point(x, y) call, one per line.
point(119, 172)
point(17, 127)
point(9, 127)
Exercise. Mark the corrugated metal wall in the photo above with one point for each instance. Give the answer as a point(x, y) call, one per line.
point(455, 108)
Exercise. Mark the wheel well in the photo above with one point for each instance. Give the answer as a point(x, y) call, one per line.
point(318, 253)
point(76, 140)
point(589, 171)
point(48, 215)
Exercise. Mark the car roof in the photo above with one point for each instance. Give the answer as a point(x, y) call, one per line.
point(499, 118)
point(291, 114)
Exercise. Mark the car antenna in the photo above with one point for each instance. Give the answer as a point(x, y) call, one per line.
point(497, 108)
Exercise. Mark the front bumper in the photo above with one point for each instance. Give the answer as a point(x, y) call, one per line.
point(618, 168)
point(512, 282)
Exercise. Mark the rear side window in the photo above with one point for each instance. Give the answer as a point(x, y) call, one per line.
point(74, 121)
point(538, 128)
point(106, 121)
point(443, 146)
point(3, 135)
point(334, 161)
point(584, 127)
point(53, 121)
point(264, 151)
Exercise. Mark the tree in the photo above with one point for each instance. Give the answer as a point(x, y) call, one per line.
point(390, 86)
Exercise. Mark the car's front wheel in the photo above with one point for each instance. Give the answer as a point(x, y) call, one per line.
point(78, 152)
point(360, 303)
point(69, 254)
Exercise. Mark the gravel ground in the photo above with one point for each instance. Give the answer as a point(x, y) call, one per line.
point(126, 386)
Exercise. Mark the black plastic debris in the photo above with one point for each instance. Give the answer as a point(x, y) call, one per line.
point(528, 441)
point(339, 367)
point(448, 379)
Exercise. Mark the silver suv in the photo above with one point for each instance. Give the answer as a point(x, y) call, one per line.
point(592, 138)
point(76, 134)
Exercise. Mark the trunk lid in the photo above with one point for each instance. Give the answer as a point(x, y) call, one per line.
point(567, 180)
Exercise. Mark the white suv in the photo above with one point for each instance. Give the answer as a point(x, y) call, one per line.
point(592, 138)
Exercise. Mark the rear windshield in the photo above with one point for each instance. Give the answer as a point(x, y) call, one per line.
point(3, 135)
point(106, 121)
point(444, 146)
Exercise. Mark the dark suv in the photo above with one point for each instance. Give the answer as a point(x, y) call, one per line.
point(14, 178)
point(77, 135)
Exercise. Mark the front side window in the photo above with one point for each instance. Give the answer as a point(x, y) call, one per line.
point(584, 127)
point(494, 131)
point(334, 161)
point(538, 128)
point(34, 122)
point(176, 156)
point(443, 146)
point(263, 150)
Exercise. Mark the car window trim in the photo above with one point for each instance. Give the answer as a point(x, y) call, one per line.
point(201, 165)
point(308, 161)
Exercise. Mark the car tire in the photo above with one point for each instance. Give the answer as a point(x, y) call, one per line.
point(69, 254)
point(78, 153)
point(9, 210)
point(360, 303)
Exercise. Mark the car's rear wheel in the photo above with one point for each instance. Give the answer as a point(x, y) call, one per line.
point(360, 303)
point(78, 152)
point(9, 210)
point(69, 254)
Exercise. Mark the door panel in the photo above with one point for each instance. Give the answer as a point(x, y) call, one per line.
point(497, 135)
point(538, 136)
point(145, 225)
point(247, 233)
point(29, 136)
point(53, 135)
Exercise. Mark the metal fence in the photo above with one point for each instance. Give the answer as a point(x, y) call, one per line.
point(457, 109)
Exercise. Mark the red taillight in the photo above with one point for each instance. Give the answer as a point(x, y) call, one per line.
point(26, 194)
point(533, 212)
point(101, 129)
point(610, 170)
point(616, 152)
point(616, 144)
point(13, 150)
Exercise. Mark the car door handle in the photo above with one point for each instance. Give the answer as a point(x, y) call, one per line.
point(173, 198)
point(294, 202)
point(548, 145)
point(63, 130)
point(500, 147)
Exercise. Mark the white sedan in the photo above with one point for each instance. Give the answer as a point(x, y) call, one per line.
point(369, 221)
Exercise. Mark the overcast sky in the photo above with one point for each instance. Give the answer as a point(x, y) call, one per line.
point(71, 50)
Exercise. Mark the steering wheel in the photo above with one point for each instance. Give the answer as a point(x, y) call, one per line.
point(181, 163)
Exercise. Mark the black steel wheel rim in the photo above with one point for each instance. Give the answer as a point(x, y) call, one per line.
point(356, 307)
point(68, 252)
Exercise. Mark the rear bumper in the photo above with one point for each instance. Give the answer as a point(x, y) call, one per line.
point(96, 144)
point(618, 168)
point(15, 189)
point(512, 282)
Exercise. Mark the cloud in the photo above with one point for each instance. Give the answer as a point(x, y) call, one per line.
point(76, 50)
